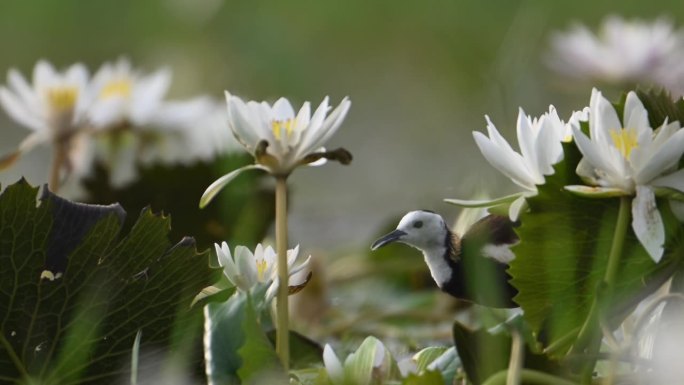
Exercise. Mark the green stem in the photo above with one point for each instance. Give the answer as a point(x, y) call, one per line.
point(588, 336)
point(58, 159)
point(528, 376)
point(282, 316)
point(517, 357)
point(618, 242)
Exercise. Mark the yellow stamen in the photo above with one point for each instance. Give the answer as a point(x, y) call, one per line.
point(119, 87)
point(62, 98)
point(625, 140)
point(261, 269)
point(279, 125)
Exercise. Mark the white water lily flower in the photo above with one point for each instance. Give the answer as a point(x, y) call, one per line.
point(123, 96)
point(540, 140)
point(245, 269)
point(356, 369)
point(135, 124)
point(622, 52)
point(52, 107)
point(627, 157)
point(279, 139)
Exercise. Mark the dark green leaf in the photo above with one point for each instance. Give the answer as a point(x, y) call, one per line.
point(661, 107)
point(260, 363)
point(81, 325)
point(242, 213)
point(425, 378)
point(474, 346)
point(562, 256)
point(304, 352)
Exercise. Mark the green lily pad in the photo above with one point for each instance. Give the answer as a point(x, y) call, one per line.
point(74, 292)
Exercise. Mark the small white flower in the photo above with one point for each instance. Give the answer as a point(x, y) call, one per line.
point(246, 270)
point(540, 140)
point(135, 124)
point(355, 368)
point(279, 139)
point(52, 107)
point(627, 157)
point(622, 52)
point(123, 96)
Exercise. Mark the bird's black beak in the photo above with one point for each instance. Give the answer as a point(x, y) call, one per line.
point(389, 238)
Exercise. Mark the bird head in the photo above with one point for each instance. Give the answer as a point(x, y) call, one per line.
point(421, 229)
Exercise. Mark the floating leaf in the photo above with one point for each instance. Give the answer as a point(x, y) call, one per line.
point(64, 263)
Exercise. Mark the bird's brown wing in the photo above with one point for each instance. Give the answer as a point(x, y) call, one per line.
point(493, 229)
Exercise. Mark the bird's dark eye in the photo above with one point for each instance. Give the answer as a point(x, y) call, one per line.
point(418, 224)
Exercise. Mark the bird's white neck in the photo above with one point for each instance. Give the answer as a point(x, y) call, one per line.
point(437, 263)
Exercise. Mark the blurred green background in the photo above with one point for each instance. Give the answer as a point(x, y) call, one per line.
point(421, 77)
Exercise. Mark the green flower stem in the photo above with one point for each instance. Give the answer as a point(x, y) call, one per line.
point(282, 316)
point(517, 357)
point(618, 242)
point(58, 159)
point(588, 335)
point(528, 376)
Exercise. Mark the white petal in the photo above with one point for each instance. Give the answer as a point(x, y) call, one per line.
point(635, 115)
point(43, 75)
point(272, 291)
point(483, 202)
point(292, 256)
point(239, 122)
point(300, 267)
point(333, 366)
point(647, 223)
point(517, 207)
point(17, 82)
point(246, 267)
point(674, 181)
point(526, 140)
point(321, 128)
point(20, 112)
point(221, 182)
point(596, 192)
point(105, 113)
point(506, 161)
point(147, 95)
point(225, 259)
point(33, 140)
point(548, 148)
point(596, 156)
point(665, 158)
point(282, 110)
point(603, 119)
point(333, 122)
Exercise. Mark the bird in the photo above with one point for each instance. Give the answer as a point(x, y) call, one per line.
point(472, 267)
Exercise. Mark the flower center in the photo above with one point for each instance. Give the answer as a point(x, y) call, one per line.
point(116, 88)
point(261, 269)
point(282, 126)
point(62, 98)
point(625, 140)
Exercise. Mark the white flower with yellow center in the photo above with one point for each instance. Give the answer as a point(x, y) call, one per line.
point(540, 141)
point(625, 157)
point(246, 270)
point(52, 107)
point(121, 95)
point(279, 139)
